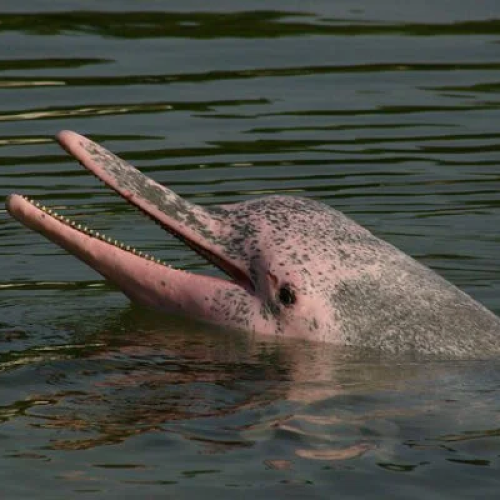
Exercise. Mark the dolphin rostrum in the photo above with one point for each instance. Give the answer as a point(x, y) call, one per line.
point(296, 268)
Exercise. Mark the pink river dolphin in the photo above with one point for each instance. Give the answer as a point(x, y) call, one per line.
point(295, 267)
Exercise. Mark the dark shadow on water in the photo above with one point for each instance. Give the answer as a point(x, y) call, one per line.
point(141, 373)
point(207, 25)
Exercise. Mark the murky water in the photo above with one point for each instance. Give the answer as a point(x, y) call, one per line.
point(388, 112)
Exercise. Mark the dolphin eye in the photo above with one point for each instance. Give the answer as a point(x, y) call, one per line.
point(287, 296)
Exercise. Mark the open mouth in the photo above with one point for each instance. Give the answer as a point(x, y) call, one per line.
point(190, 223)
point(79, 227)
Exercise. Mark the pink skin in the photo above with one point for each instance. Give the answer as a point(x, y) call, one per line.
point(147, 282)
point(144, 281)
point(297, 268)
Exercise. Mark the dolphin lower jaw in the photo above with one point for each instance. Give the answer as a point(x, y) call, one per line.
point(142, 278)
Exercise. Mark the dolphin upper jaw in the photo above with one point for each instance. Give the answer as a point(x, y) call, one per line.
point(194, 225)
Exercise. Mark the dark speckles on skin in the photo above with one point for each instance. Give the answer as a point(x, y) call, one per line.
point(289, 219)
point(371, 294)
point(137, 184)
point(364, 308)
point(234, 307)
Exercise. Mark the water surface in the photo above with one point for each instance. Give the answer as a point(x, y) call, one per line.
point(387, 112)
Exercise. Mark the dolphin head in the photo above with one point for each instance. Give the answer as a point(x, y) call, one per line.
point(276, 251)
point(294, 267)
point(298, 255)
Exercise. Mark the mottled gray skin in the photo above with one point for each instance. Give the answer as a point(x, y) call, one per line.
point(376, 296)
point(370, 293)
point(349, 287)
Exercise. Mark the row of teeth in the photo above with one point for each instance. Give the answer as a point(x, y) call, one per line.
point(92, 233)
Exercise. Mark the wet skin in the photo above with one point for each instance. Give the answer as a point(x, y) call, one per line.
point(296, 268)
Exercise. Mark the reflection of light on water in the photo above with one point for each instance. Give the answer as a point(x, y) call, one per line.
point(43, 83)
point(24, 141)
point(354, 451)
point(253, 192)
point(23, 285)
point(44, 354)
point(66, 347)
point(86, 111)
point(30, 360)
point(272, 191)
point(61, 284)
